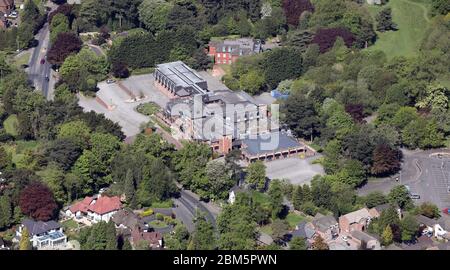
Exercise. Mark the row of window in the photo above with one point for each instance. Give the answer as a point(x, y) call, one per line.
point(223, 61)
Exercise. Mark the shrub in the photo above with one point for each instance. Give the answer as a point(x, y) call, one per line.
point(147, 213)
point(159, 216)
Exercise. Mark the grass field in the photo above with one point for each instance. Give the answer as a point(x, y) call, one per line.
point(21, 60)
point(294, 219)
point(412, 20)
point(11, 124)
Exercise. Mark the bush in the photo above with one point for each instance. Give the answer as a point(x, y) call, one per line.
point(147, 213)
point(120, 70)
point(159, 216)
point(309, 208)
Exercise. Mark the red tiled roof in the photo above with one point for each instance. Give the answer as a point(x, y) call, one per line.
point(152, 237)
point(81, 206)
point(105, 205)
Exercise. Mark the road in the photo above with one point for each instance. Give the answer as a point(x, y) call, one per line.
point(186, 208)
point(426, 176)
point(38, 72)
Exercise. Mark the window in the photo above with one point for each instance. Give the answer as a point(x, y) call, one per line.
point(224, 49)
point(218, 61)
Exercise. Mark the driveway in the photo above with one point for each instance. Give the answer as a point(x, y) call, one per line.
point(298, 171)
point(118, 105)
point(425, 174)
point(187, 206)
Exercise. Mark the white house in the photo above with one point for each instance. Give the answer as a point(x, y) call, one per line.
point(374, 2)
point(431, 227)
point(43, 234)
point(101, 208)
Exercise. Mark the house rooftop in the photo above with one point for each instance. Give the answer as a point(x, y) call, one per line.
point(323, 223)
point(267, 143)
point(126, 218)
point(182, 75)
point(39, 227)
point(105, 205)
point(421, 219)
point(362, 236)
point(356, 216)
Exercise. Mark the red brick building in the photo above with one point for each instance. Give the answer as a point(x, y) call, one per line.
point(228, 51)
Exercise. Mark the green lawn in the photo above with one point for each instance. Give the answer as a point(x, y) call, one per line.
point(412, 20)
point(21, 60)
point(266, 229)
point(261, 198)
point(11, 124)
point(158, 224)
point(149, 108)
point(294, 219)
point(69, 225)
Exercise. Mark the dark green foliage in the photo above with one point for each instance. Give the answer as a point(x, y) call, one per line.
point(203, 237)
point(399, 196)
point(301, 116)
point(276, 198)
point(384, 20)
point(281, 64)
point(100, 236)
point(298, 243)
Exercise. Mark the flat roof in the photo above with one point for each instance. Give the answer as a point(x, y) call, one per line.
point(263, 143)
point(182, 75)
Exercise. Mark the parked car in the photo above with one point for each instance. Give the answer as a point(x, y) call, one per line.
point(42, 61)
point(414, 196)
point(109, 81)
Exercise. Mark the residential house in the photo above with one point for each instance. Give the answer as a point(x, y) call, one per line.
point(6, 6)
point(154, 239)
point(229, 50)
point(43, 234)
point(431, 227)
point(325, 226)
point(125, 219)
point(363, 240)
point(355, 221)
point(96, 209)
point(304, 230)
point(375, 212)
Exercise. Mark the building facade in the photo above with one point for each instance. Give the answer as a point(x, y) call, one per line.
point(43, 234)
point(228, 51)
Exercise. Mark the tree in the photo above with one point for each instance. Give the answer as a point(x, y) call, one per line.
point(203, 237)
point(6, 213)
point(356, 111)
point(319, 243)
point(59, 24)
point(179, 240)
point(252, 82)
point(120, 70)
point(386, 160)
point(77, 131)
point(256, 175)
point(399, 196)
point(436, 98)
point(298, 197)
point(279, 229)
point(236, 225)
point(276, 198)
point(281, 64)
point(388, 217)
point(64, 45)
point(387, 236)
point(5, 159)
point(25, 243)
point(36, 201)
point(352, 173)
point(293, 9)
point(409, 227)
point(321, 192)
point(298, 243)
point(326, 37)
point(220, 180)
point(429, 210)
point(440, 7)
point(301, 116)
point(384, 20)
point(154, 14)
point(130, 187)
point(24, 35)
point(111, 238)
point(375, 198)
point(63, 152)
